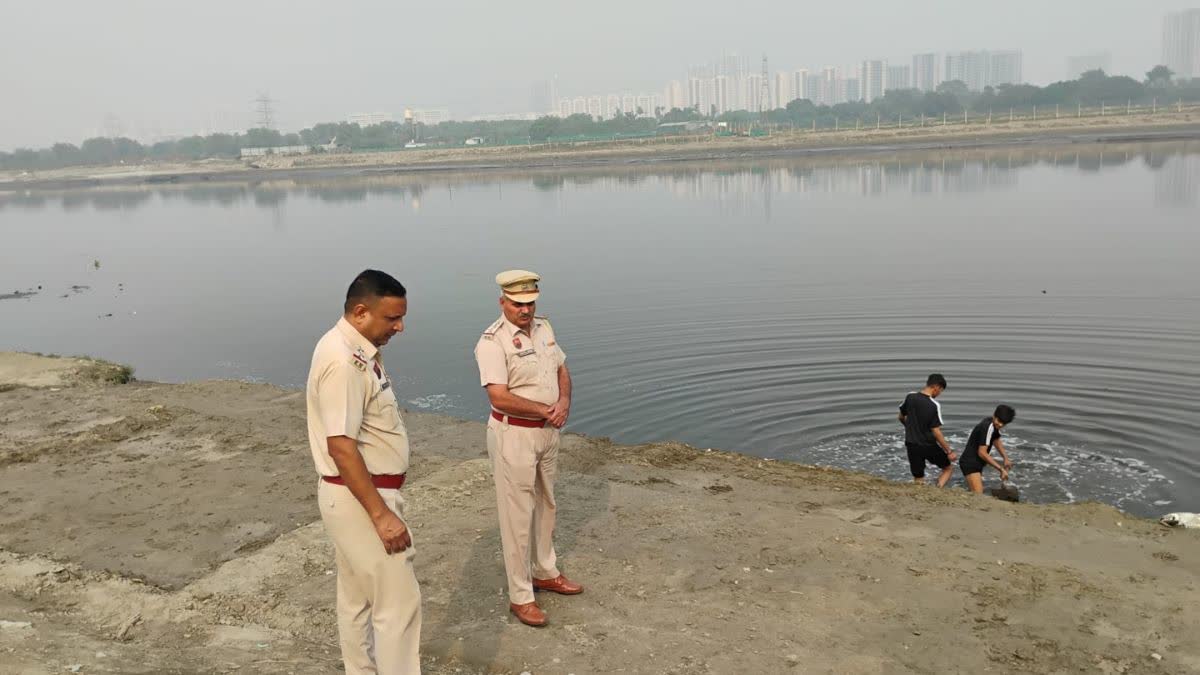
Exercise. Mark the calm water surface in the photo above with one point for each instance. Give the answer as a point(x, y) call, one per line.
point(779, 307)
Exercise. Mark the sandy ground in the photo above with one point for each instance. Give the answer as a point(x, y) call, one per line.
point(976, 133)
point(172, 528)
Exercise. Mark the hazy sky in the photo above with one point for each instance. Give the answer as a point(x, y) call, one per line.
point(170, 67)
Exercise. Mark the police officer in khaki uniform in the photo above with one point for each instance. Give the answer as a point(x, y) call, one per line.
point(525, 374)
point(360, 448)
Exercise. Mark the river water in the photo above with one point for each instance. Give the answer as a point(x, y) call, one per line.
point(780, 307)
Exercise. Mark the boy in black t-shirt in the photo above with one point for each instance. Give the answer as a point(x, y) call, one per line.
point(977, 454)
point(921, 415)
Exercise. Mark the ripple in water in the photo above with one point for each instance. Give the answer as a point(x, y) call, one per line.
point(775, 307)
point(1105, 388)
point(1045, 472)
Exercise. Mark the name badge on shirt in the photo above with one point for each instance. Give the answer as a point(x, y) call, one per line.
point(527, 352)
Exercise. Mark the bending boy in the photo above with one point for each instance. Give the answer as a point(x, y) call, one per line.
point(977, 454)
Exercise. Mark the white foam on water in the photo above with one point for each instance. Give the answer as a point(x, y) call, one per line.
point(1046, 471)
point(240, 372)
point(434, 402)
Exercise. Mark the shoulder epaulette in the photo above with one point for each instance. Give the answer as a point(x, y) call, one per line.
point(359, 359)
point(491, 330)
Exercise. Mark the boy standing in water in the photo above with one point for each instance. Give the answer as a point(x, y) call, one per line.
point(979, 445)
point(921, 415)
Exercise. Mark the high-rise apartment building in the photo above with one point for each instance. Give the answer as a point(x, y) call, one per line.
point(980, 69)
point(367, 119)
point(840, 95)
point(829, 87)
point(782, 90)
point(898, 77)
point(1181, 43)
point(1078, 65)
point(752, 93)
point(871, 77)
point(735, 68)
point(674, 96)
point(543, 96)
point(431, 117)
point(722, 92)
point(814, 88)
point(800, 85)
point(970, 68)
point(851, 90)
point(697, 93)
point(925, 72)
point(1004, 67)
point(595, 107)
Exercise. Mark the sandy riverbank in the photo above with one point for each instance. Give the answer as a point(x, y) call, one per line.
point(976, 134)
point(172, 528)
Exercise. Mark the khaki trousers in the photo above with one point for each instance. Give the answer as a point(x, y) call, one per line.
point(524, 465)
point(378, 599)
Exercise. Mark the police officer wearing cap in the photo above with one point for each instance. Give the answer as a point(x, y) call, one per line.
point(360, 447)
point(525, 373)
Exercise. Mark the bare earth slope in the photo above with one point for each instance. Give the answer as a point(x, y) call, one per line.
point(154, 528)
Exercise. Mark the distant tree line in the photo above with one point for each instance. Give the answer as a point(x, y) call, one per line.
point(953, 98)
point(950, 98)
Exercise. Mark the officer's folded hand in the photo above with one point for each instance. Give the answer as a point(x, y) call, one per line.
point(392, 532)
point(558, 413)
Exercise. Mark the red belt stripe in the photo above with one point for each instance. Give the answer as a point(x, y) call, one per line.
point(386, 481)
point(519, 421)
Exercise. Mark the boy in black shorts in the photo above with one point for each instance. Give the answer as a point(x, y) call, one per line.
point(978, 454)
point(921, 416)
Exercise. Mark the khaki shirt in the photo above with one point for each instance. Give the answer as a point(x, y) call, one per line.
point(349, 394)
point(527, 363)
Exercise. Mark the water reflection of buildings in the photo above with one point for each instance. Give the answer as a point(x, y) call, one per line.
point(737, 186)
point(1177, 180)
point(732, 184)
point(871, 178)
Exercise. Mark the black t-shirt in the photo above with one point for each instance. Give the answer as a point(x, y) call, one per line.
point(984, 434)
point(922, 415)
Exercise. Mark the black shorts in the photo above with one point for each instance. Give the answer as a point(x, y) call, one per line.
point(919, 454)
point(968, 468)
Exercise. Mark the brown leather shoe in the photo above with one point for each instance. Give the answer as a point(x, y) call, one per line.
point(558, 584)
point(529, 614)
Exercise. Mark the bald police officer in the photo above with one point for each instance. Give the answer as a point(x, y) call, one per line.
point(525, 373)
point(360, 447)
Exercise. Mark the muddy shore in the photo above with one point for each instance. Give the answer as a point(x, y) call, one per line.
point(172, 528)
point(1113, 129)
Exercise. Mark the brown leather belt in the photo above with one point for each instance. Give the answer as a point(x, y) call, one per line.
point(519, 421)
point(385, 481)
